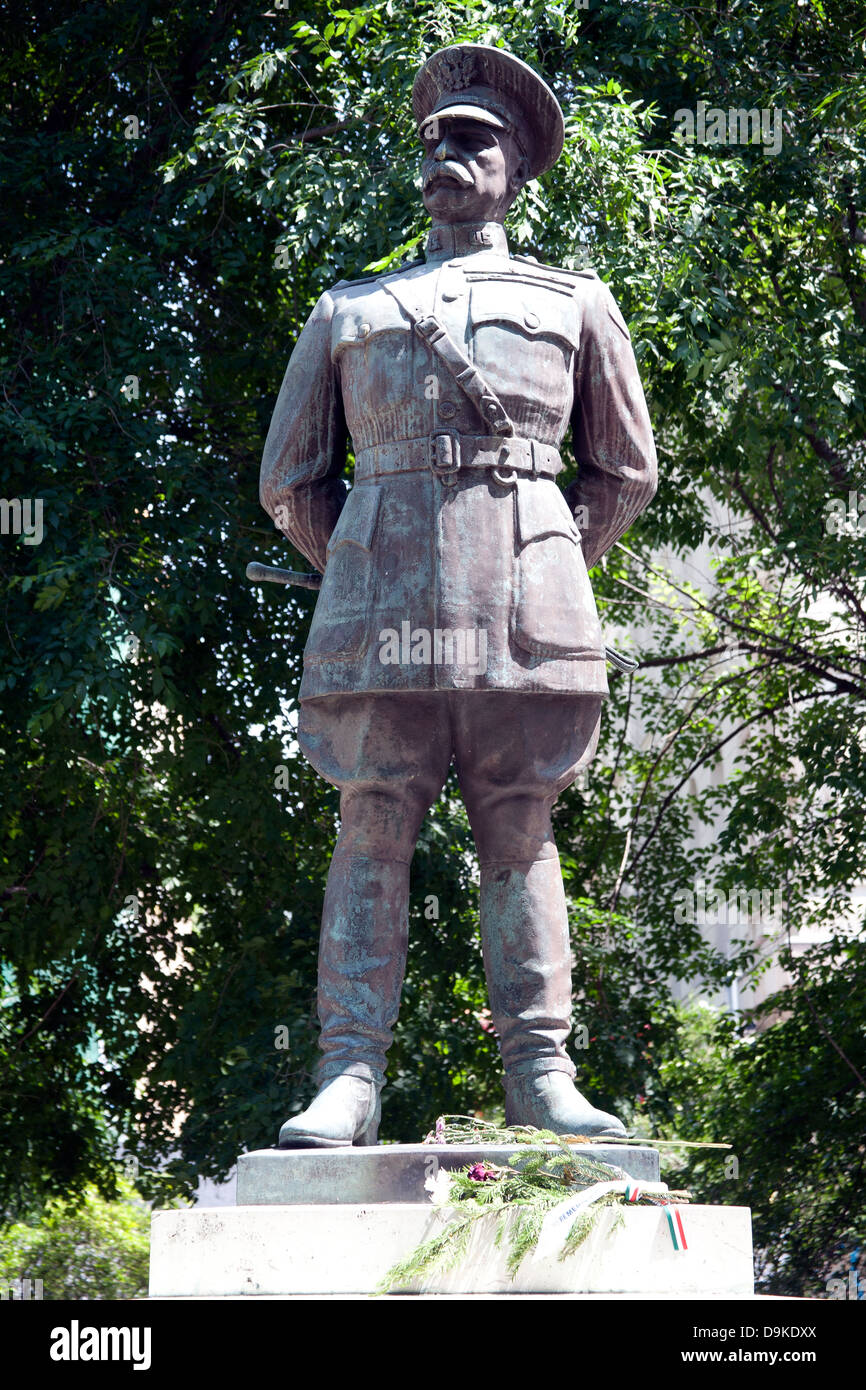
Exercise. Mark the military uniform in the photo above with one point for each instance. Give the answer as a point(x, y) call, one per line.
point(429, 535)
point(456, 379)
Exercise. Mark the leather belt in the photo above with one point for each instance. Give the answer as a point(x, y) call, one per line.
point(447, 453)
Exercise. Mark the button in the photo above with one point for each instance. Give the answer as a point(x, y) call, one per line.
point(363, 330)
point(447, 410)
point(531, 320)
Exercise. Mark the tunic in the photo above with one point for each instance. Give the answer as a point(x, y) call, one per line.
point(455, 561)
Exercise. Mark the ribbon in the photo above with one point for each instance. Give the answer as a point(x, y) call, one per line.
point(675, 1226)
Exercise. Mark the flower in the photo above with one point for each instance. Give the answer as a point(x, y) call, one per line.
point(483, 1172)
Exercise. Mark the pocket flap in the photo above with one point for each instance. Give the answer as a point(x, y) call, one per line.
point(542, 511)
point(359, 317)
point(357, 521)
point(532, 310)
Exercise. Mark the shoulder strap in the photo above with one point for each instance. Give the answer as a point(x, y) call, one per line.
point(467, 376)
point(376, 275)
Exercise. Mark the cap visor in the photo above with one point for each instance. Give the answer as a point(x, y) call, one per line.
point(469, 112)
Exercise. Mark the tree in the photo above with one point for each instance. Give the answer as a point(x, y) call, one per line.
point(162, 877)
point(81, 1249)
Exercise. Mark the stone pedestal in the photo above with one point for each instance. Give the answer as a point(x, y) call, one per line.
point(392, 1172)
point(333, 1222)
point(347, 1249)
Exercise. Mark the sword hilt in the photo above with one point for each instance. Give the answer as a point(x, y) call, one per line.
point(621, 661)
point(261, 574)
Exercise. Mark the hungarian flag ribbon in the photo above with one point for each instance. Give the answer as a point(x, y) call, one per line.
point(675, 1224)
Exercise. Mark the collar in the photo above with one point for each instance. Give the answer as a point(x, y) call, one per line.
point(447, 240)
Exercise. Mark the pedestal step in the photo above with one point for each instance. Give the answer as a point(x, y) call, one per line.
point(392, 1172)
point(347, 1249)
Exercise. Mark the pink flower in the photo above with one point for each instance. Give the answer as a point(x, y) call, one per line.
point(482, 1172)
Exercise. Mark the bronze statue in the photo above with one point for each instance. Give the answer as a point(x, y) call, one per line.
point(456, 618)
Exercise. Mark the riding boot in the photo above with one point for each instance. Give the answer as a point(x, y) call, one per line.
point(527, 960)
point(362, 961)
point(346, 1110)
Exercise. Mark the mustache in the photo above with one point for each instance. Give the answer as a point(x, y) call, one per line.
point(448, 168)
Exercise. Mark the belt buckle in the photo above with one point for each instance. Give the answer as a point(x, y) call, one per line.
point(445, 456)
point(504, 473)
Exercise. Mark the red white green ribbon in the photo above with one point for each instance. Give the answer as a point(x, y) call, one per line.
point(559, 1219)
point(675, 1226)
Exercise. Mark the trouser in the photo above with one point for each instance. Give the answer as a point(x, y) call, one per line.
point(389, 755)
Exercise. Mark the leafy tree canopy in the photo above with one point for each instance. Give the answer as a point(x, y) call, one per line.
point(180, 186)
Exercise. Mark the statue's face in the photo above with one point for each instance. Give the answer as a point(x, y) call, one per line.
point(471, 172)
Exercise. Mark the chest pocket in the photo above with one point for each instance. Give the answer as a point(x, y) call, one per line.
point(534, 312)
point(372, 349)
point(553, 612)
point(360, 318)
point(524, 342)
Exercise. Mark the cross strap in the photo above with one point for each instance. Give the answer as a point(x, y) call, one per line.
point(464, 372)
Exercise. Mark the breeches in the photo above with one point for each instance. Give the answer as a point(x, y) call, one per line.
point(389, 755)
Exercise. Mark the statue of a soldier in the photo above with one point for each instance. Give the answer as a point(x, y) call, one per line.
point(456, 619)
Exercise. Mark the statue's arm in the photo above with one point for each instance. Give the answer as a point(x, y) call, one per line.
point(612, 435)
point(300, 484)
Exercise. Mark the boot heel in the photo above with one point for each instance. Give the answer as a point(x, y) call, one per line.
point(369, 1137)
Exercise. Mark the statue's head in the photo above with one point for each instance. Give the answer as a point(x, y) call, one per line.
point(471, 172)
point(487, 123)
